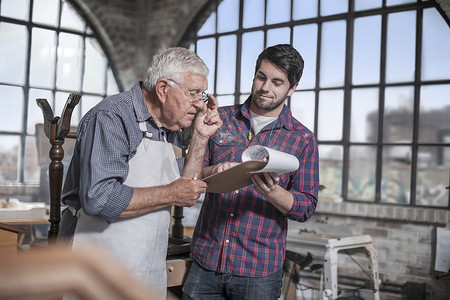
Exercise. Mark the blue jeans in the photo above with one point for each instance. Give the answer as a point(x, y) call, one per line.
point(205, 284)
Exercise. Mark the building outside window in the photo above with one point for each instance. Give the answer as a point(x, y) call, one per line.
point(375, 88)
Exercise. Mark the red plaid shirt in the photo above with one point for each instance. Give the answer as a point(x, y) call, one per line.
point(240, 232)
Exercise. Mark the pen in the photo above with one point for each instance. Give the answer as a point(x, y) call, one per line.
point(195, 176)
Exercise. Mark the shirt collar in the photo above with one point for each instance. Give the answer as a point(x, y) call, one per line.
point(284, 119)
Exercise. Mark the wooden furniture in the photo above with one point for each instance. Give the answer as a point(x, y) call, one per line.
point(48, 273)
point(9, 239)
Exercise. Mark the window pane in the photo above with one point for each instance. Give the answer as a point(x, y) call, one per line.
point(225, 100)
point(397, 2)
point(331, 7)
point(396, 175)
point(94, 68)
point(228, 16)
point(436, 46)
point(398, 114)
point(278, 11)
point(60, 102)
point(252, 46)
point(11, 101)
point(88, 102)
point(206, 49)
point(112, 87)
point(305, 9)
point(366, 50)
point(17, 9)
point(70, 18)
point(278, 36)
point(434, 115)
point(243, 98)
point(401, 46)
point(253, 13)
point(362, 173)
point(305, 41)
point(69, 62)
point(209, 27)
point(364, 115)
point(31, 165)
point(9, 149)
point(303, 108)
point(331, 110)
point(12, 53)
point(433, 175)
point(35, 114)
point(46, 12)
point(226, 64)
point(42, 68)
point(330, 170)
point(367, 4)
point(332, 60)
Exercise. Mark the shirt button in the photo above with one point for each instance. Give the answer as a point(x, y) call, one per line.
point(237, 192)
point(231, 214)
point(227, 241)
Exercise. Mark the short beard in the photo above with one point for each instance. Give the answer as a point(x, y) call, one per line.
point(265, 105)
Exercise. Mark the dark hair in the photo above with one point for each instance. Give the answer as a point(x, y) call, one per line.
point(286, 58)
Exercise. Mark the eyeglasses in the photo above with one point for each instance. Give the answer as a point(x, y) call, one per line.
point(196, 97)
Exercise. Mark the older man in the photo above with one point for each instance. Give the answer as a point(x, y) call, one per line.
point(125, 172)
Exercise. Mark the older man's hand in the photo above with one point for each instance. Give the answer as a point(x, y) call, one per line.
point(208, 120)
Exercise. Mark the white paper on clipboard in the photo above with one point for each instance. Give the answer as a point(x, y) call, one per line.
point(277, 161)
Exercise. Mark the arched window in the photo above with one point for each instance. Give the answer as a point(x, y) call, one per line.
point(375, 89)
point(47, 50)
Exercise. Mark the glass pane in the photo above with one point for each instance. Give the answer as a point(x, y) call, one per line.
point(228, 16)
point(332, 7)
point(366, 50)
point(362, 173)
point(94, 68)
point(332, 60)
point(364, 115)
point(303, 107)
point(397, 2)
point(226, 65)
point(60, 102)
point(70, 18)
point(69, 62)
point(225, 100)
point(401, 46)
point(398, 114)
point(209, 27)
point(367, 4)
point(112, 87)
point(278, 36)
point(305, 41)
point(252, 46)
point(11, 99)
point(433, 175)
point(243, 98)
point(43, 48)
point(46, 12)
point(13, 41)
point(331, 115)
point(253, 13)
point(434, 114)
point(9, 149)
point(17, 9)
point(305, 9)
point(87, 102)
point(330, 171)
point(35, 114)
point(436, 46)
point(31, 166)
point(396, 175)
point(278, 11)
point(206, 49)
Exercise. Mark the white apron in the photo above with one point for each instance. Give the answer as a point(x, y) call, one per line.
point(140, 243)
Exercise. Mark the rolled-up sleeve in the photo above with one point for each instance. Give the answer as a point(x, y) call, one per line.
point(104, 154)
